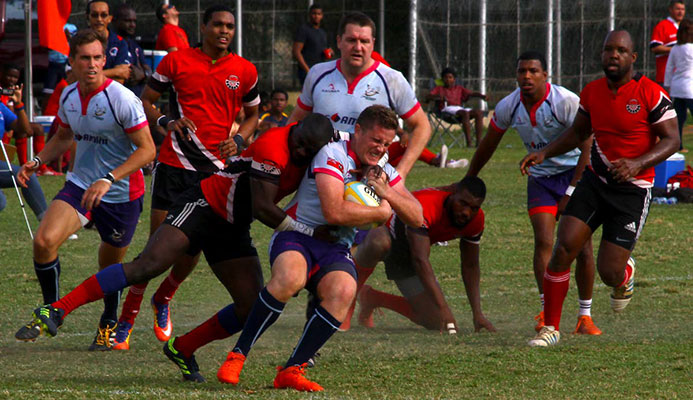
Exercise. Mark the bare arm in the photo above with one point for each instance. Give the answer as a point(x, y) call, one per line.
point(471, 276)
point(340, 212)
point(171, 49)
point(406, 206)
point(585, 148)
point(297, 115)
point(419, 250)
point(296, 51)
point(21, 125)
point(487, 147)
point(661, 49)
point(119, 73)
point(263, 192)
point(54, 148)
point(150, 96)
point(420, 134)
point(249, 124)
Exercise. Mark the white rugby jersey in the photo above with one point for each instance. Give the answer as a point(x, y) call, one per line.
point(546, 122)
point(101, 122)
point(335, 159)
point(325, 91)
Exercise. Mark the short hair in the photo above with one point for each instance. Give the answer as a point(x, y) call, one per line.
point(377, 115)
point(215, 8)
point(447, 70)
point(90, 2)
point(160, 11)
point(85, 36)
point(684, 34)
point(533, 55)
point(355, 18)
point(674, 2)
point(9, 66)
point(474, 185)
point(120, 9)
point(315, 6)
point(282, 91)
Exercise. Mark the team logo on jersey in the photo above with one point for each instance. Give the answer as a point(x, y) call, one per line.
point(99, 112)
point(335, 117)
point(335, 164)
point(270, 167)
point(71, 107)
point(370, 92)
point(343, 120)
point(232, 82)
point(330, 89)
point(113, 51)
point(632, 106)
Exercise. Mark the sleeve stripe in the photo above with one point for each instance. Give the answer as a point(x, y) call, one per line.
point(412, 111)
point(396, 180)
point(303, 106)
point(160, 78)
point(328, 172)
point(253, 102)
point(669, 114)
point(495, 127)
point(137, 127)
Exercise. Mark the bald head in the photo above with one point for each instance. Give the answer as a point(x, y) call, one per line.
point(618, 56)
point(308, 136)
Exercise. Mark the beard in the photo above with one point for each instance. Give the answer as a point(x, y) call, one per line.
point(617, 75)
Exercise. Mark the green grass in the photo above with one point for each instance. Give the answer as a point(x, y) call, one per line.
point(645, 352)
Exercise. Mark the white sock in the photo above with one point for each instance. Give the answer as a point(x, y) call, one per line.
point(541, 296)
point(585, 307)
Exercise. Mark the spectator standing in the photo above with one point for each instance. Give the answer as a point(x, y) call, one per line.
point(678, 77)
point(118, 57)
point(310, 45)
point(125, 22)
point(664, 36)
point(171, 36)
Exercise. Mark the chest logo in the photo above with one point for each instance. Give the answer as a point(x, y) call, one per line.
point(330, 89)
point(370, 92)
point(71, 107)
point(232, 82)
point(632, 106)
point(113, 51)
point(99, 111)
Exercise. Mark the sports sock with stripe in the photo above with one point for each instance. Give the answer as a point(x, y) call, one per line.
point(318, 330)
point(555, 289)
point(167, 289)
point(265, 312)
point(585, 307)
point(48, 275)
point(131, 305)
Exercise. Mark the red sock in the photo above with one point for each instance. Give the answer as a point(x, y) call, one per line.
point(86, 292)
point(397, 304)
point(555, 288)
point(628, 273)
point(363, 274)
point(132, 303)
point(167, 289)
point(21, 150)
point(427, 156)
point(39, 143)
point(207, 332)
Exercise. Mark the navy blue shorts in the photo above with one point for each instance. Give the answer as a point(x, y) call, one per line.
point(116, 222)
point(544, 192)
point(322, 257)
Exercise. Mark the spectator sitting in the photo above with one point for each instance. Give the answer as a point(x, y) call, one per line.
point(276, 116)
point(678, 77)
point(450, 98)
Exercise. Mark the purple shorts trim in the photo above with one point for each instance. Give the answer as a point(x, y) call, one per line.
point(116, 222)
point(547, 191)
point(321, 257)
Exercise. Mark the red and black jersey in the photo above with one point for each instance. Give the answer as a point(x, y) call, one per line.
point(437, 221)
point(664, 33)
point(210, 93)
point(622, 123)
point(228, 191)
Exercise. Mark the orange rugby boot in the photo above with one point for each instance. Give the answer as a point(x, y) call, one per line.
point(540, 321)
point(230, 370)
point(585, 326)
point(294, 377)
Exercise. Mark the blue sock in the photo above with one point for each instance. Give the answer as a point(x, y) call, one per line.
point(112, 279)
point(48, 275)
point(318, 330)
point(265, 311)
point(228, 320)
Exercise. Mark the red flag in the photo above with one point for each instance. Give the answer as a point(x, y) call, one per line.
point(52, 16)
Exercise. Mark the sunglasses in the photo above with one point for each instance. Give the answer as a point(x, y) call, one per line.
point(97, 15)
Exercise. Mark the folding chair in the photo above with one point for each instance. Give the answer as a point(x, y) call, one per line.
point(446, 128)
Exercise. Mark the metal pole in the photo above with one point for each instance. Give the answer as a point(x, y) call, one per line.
point(558, 42)
point(199, 22)
point(274, 20)
point(28, 76)
point(447, 37)
point(549, 39)
point(612, 14)
point(582, 43)
point(482, 50)
point(412, 43)
point(16, 189)
point(517, 28)
point(239, 27)
point(381, 28)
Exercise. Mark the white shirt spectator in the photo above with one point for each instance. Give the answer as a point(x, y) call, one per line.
point(678, 76)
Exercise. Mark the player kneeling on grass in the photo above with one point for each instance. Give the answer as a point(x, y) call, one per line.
point(201, 220)
point(449, 213)
point(326, 269)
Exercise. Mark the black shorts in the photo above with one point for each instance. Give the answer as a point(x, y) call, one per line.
point(208, 232)
point(620, 209)
point(170, 182)
point(398, 263)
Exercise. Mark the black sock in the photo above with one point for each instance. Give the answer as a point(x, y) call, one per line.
point(110, 308)
point(318, 330)
point(49, 276)
point(265, 311)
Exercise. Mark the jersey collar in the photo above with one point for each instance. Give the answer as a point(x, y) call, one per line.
point(352, 154)
point(535, 107)
point(85, 100)
point(351, 86)
point(676, 24)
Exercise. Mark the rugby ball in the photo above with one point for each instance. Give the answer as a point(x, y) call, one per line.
point(360, 193)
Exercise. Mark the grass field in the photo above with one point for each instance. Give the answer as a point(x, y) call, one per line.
point(645, 352)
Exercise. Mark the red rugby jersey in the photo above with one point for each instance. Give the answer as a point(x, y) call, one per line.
point(664, 33)
point(621, 123)
point(437, 220)
point(211, 94)
point(228, 191)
